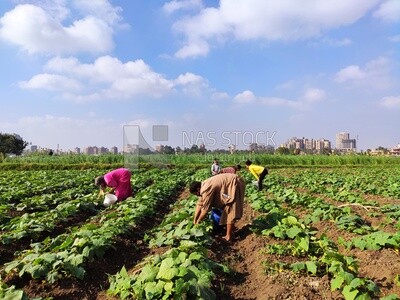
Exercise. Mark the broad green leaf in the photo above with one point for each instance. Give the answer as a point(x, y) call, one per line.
point(336, 282)
point(311, 267)
point(167, 269)
point(356, 282)
point(291, 220)
point(195, 256)
point(363, 296)
point(169, 286)
point(293, 232)
point(147, 274)
point(349, 293)
point(297, 267)
point(304, 243)
point(152, 290)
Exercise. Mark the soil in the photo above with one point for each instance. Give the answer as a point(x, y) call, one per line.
point(244, 255)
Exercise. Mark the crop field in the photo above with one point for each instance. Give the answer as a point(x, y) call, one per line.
point(316, 232)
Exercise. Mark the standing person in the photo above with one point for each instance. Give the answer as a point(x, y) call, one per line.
point(259, 172)
point(215, 168)
point(223, 191)
point(120, 182)
point(233, 169)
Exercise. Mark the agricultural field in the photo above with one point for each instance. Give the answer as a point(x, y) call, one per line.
point(317, 232)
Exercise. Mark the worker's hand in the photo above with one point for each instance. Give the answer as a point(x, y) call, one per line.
point(101, 194)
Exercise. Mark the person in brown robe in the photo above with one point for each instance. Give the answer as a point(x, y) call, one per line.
point(224, 191)
point(233, 169)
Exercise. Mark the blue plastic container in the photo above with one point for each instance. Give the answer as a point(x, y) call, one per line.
point(215, 215)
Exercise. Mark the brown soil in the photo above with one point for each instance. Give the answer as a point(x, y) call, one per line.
point(249, 280)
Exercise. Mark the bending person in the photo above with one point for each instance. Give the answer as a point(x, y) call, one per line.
point(120, 182)
point(223, 191)
point(258, 172)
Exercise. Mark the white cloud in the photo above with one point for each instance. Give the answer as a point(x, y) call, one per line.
point(176, 5)
point(219, 96)
point(191, 84)
point(314, 95)
point(102, 9)
point(391, 102)
point(337, 42)
point(389, 11)
point(268, 20)
point(37, 30)
point(193, 49)
point(109, 78)
point(276, 101)
point(350, 73)
point(51, 82)
point(375, 74)
point(304, 102)
point(245, 97)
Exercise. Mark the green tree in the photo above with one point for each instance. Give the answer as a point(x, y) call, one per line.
point(12, 143)
point(282, 150)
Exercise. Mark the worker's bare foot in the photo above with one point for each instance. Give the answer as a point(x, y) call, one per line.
point(228, 239)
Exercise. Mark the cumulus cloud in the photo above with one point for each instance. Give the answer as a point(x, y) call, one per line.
point(177, 5)
point(267, 20)
point(41, 29)
point(51, 82)
point(391, 102)
point(375, 74)
point(245, 97)
point(304, 102)
point(109, 78)
point(388, 11)
point(101, 9)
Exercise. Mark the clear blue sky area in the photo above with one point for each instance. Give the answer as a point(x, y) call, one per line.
point(75, 72)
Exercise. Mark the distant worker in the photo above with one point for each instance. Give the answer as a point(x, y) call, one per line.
point(215, 168)
point(118, 180)
point(233, 169)
point(223, 191)
point(258, 172)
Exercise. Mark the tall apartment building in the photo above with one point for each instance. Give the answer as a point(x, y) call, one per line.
point(344, 143)
point(308, 145)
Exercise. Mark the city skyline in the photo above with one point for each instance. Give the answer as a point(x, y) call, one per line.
point(343, 144)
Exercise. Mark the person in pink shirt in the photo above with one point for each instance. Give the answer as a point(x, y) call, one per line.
point(120, 182)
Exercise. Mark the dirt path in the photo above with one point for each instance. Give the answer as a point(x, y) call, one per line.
point(249, 280)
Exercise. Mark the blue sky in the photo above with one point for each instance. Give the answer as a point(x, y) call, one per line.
point(74, 73)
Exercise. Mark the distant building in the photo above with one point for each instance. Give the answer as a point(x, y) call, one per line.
point(131, 148)
point(307, 145)
point(395, 150)
point(34, 148)
point(344, 143)
point(102, 150)
point(114, 150)
point(90, 150)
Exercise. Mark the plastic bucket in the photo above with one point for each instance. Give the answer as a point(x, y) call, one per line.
point(215, 216)
point(109, 199)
